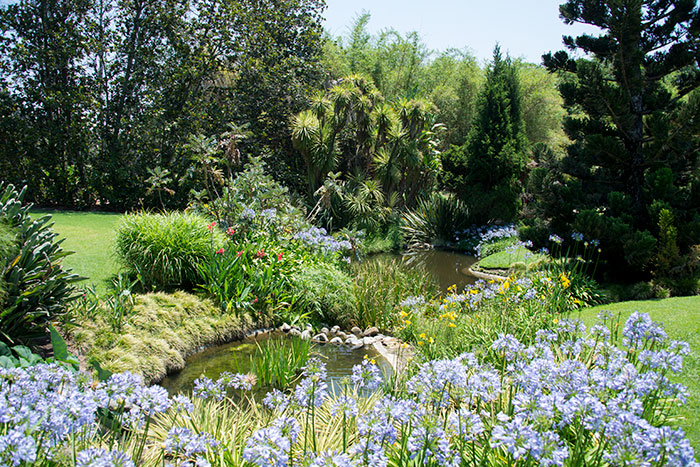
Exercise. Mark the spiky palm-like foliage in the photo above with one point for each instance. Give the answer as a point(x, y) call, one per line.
point(435, 220)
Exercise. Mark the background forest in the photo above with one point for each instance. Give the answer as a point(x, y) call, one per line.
point(119, 105)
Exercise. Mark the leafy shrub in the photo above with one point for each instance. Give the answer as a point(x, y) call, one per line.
point(435, 220)
point(325, 293)
point(37, 288)
point(249, 275)
point(165, 250)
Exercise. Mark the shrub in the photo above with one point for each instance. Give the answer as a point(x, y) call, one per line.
point(325, 293)
point(435, 220)
point(36, 286)
point(165, 250)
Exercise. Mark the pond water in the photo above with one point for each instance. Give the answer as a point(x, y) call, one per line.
point(446, 267)
point(235, 357)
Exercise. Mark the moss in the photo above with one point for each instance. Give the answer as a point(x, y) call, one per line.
point(163, 330)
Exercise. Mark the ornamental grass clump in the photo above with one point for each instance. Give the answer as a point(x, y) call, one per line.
point(165, 250)
point(569, 398)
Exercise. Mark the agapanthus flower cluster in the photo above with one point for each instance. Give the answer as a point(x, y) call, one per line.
point(571, 398)
point(367, 375)
point(318, 239)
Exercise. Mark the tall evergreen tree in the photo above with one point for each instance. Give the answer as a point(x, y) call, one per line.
point(634, 118)
point(486, 172)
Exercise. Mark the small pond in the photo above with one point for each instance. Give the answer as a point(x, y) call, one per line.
point(235, 357)
point(446, 267)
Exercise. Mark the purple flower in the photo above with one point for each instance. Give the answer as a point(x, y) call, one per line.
point(205, 388)
point(16, 447)
point(183, 441)
point(333, 459)
point(366, 375)
point(345, 405)
point(276, 400)
point(94, 457)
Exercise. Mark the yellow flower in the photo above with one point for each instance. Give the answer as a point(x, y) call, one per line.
point(420, 342)
point(431, 340)
point(422, 335)
point(451, 325)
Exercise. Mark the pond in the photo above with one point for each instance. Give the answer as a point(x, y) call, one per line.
point(235, 357)
point(446, 267)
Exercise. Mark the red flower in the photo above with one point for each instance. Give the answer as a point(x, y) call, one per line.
point(210, 226)
point(239, 253)
point(279, 257)
point(230, 231)
point(256, 300)
point(220, 251)
point(260, 254)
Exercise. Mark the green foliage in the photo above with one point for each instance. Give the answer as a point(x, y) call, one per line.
point(256, 276)
point(632, 117)
point(162, 331)
point(380, 286)
point(402, 67)
point(165, 250)
point(20, 356)
point(37, 288)
point(325, 293)
point(132, 81)
point(385, 153)
point(486, 171)
point(278, 362)
point(435, 220)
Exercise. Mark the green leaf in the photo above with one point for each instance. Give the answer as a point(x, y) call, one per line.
point(5, 350)
point(60, 349)
point(102, 374)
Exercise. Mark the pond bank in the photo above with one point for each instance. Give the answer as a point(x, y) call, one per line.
point(162, 332)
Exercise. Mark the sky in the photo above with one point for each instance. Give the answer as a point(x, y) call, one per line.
point(524, 28)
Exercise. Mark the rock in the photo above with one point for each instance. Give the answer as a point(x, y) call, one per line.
point(357, 331)
point(334, 330)
point(369, 332)
point(352, 341)
point(324, 331)
point(296, 327)
point(285, 328)
point(359, 345)
point(321, 338)
point(305, 335)
point(342, 335)
point(368, 340)
point(295, 332)
point(336, 341)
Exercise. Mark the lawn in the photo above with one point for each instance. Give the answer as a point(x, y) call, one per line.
point(507, 258)
point(681, 318)
point(91, 236)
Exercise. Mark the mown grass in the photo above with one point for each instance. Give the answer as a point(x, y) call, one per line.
point(681, 319)
point(91, 236)
point(508, 259)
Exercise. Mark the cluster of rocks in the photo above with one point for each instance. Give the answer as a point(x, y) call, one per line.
point(354, 339)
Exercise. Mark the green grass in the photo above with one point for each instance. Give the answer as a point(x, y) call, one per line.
point(91, 236)
point(507, 259)
point(681, 319)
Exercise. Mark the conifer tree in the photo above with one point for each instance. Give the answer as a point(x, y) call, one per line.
point(633, 118)
point(486, 172)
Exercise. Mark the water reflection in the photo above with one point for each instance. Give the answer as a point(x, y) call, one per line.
point(235, 357)
point(446, 267)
